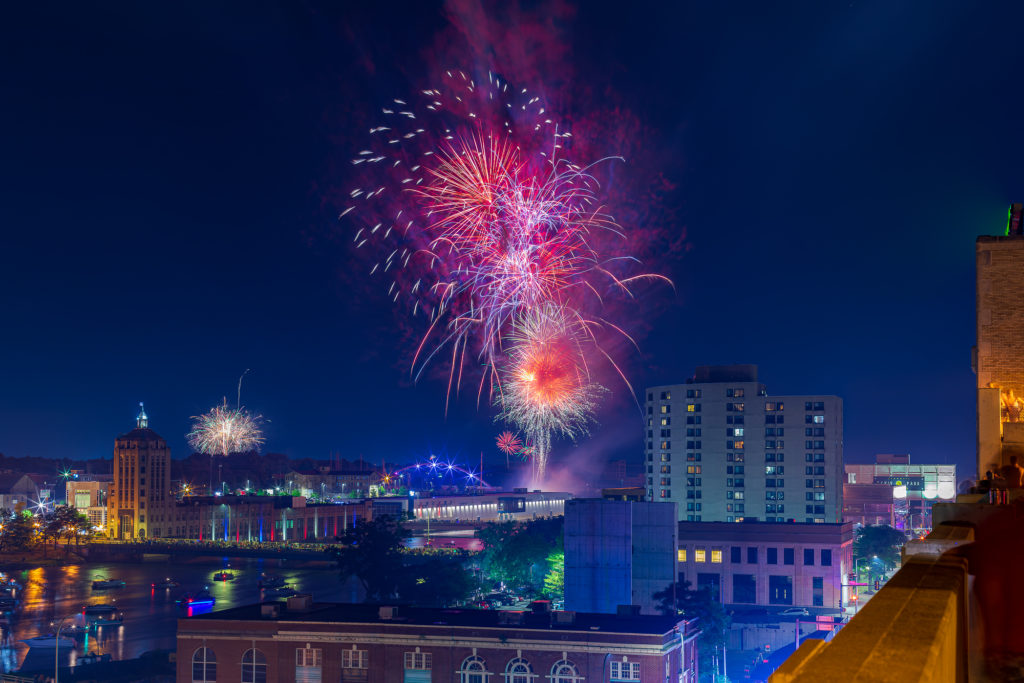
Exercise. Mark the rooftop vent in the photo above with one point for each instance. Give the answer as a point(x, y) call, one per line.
point(627, 610)
point(270, 610)
point(302, 602)
point(387, 613)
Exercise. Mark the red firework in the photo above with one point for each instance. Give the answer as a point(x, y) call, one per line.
point(509, 443)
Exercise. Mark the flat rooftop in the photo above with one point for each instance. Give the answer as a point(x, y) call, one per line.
point(337, 613)
point(757, 532)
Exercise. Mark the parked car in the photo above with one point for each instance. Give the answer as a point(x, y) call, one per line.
point(795, 612)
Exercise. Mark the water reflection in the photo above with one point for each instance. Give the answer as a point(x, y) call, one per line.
point(150, 613)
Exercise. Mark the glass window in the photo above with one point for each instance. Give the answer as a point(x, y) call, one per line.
point(519, 671)
point(309, 664)
point(744, 588)
point(752, 555)
point(473, 670)
point(354, 659)
point(826, 558)
point(787, 556)
point(698, 555)
point(808, 557)
point(565, 672)
point(418, 660)
point(204, 666)
point(773, 555)
point(254, 666)
point(625, 671)
point(716, 556)
point(735, 553)
point(681, 554)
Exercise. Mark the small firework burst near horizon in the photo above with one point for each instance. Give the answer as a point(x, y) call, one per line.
point(225, 430)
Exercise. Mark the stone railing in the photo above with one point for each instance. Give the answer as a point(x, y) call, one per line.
point(952, 613)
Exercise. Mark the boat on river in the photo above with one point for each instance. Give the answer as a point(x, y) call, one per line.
point(223, 576)
point(48, 642)
point(8, 604)
point(102, 615)
point(272, 581)
point(166, 583)
point(104, 583)
point(279, 592)
point(198, 599)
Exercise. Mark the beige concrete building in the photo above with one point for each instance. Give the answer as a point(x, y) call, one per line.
point(140, 504)
point(999, 354)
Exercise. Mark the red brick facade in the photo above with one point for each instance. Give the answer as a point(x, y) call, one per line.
point(379, 650)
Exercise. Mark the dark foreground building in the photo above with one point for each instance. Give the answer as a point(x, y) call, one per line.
point(305, 641)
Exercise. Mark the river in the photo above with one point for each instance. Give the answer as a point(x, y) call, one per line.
point(150, 615)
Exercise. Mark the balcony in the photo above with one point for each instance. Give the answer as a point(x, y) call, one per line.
point(951, 613)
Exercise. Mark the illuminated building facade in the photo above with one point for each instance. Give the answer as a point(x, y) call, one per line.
point(139, 504)
point(773, 565)
point(723, 450)
point(300, 640)
point(89, 498)
point(912, 489)
point(999, 353)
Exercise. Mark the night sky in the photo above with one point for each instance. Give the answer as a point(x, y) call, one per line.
point(170, 174)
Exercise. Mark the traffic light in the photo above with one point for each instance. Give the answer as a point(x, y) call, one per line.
point(878, 584)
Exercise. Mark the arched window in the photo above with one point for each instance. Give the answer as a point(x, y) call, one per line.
point(473, 670)
point(204, 666)
point(519, 671)
point(565, 672)
point(254, 667)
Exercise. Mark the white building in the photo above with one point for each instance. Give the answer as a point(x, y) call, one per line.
point(725, 451)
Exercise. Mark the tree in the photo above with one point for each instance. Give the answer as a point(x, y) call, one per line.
point(554, 582)
point(882, 541)
point(517, 553)
point(18, 530)
point(372, 554)
point(711, 617)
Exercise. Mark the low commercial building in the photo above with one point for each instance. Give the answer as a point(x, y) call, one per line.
point(17, 490)
point(89, 498)
point(520, 505)
point(913, 488)
point(275, 518)
point(325, 482)
point(770, 564)
point(305, 641)
point(869, 504)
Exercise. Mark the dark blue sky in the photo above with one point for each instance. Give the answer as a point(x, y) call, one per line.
point(164, 220)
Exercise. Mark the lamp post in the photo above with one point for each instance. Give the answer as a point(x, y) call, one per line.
point(56, 649)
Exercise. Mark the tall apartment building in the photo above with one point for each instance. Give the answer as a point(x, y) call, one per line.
point(999, 353)
point(725, 451)
point(139, 503)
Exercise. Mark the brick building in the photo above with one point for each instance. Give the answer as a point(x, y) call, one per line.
point(999, 353)
point(305, 641)
point(139, 502)
point(770, 564)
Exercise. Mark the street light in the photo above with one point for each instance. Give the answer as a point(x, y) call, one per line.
point(56, 649)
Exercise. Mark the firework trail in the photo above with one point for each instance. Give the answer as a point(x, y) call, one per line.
point(499, 240)
point(225, 430)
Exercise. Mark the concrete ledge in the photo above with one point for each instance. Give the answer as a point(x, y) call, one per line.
point(944, 537)
point(914, 629)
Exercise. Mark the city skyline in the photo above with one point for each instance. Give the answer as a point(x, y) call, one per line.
point(838, 268)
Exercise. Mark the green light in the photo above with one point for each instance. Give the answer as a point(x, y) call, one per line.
point(1009, 217)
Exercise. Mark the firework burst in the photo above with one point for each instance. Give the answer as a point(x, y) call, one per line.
point(225, 430)
point(546, 388)
point(509, 443)
point(493, 233)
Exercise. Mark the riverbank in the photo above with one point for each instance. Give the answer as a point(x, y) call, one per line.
point(27, 559)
